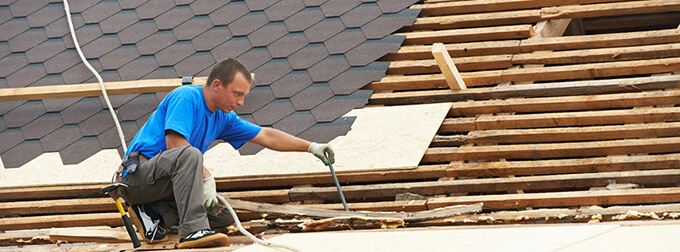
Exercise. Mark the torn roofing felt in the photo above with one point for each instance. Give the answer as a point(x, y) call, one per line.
point(310, 58)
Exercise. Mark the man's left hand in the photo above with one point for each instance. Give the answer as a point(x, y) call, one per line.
point(320, 150)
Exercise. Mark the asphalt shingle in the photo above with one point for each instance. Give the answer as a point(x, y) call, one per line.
point(336, 8)
point(21, 154)
point(62, 61)
point(273, 112)
point(22, 8)
point(258, 5)
point(283, 9)
point(25, 76)
point(45, 15)
point(138, 68)
point(156, 42)
point(325, 132)
point(192, 28)
point(10, 138)
point(60, 138)
point(13, 27)
point(42, 126)
point(255, 57)
point(80, 150)
point(119, 21)
point(101, 46)
point(13, 62)
point(296, 123)
point(308, 56)
point(357, 77)
point(389, 23)
point(339, 105)
point(119, 57)
point(45, 50)
point(101, 11)
point(291, 84)
point(213, 37)
point(304, 19)
point(195, 64)
point(27, 39)
point(361, 15)
point(312, 96)
point(174, 17)
point(324, 30)
point(136, 32)
point(328, 68)
point(24, 114)
point(205, 7)
point(173, 54)
point(154, 8)
point(258, 97)
point(271, 71)
point(248, 23)
point(142, 105)
point(344, 41)
point(287, 45)
point(81, 110)
point(228, 13)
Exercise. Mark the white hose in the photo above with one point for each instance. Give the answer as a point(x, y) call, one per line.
point(99, 78)
point(223, 201)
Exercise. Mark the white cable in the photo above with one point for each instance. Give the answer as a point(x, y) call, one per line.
point(99, 78)
point(245, 232)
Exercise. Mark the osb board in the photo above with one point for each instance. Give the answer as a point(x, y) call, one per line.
point(380, 138)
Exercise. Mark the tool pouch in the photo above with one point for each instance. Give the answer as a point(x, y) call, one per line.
point(130, 164)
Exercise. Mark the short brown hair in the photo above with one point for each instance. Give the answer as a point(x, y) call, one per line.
point(225, 70)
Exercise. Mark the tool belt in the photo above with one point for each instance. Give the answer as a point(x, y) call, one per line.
point(129, 165)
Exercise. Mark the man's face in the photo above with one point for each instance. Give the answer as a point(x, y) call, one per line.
point(231, 97)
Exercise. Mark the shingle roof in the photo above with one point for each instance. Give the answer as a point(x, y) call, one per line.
point(309, 57)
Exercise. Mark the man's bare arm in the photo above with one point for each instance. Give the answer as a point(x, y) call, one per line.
point(174, 139)
point(280, 141)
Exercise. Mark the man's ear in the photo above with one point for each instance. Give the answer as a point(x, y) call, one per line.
point(215, 84)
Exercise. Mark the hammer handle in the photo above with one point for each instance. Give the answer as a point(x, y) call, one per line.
point(128, 225)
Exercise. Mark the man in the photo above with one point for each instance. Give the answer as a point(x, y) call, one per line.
point(167, 182)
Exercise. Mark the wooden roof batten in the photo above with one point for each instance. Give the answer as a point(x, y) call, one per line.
point(547, 121)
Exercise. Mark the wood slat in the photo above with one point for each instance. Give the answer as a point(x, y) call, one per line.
point(57, 221)
point(547, 135)
point(598, 55)
point(552, 73)
point(467, 35)
point(463, 64)
point(564, 199)
point(475, 20)
point(416, 52)
point(553, 150)
point(565, 103)
point(474, 6)
point(561, 166)
point(610, 9)
point(488, 185)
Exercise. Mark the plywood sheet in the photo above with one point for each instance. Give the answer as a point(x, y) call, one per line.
point(380, 138)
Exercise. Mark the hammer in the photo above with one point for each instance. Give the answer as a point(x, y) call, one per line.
point(115, 190)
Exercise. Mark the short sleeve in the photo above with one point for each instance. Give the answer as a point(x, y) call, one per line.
point(238, 131)
point(180, 116)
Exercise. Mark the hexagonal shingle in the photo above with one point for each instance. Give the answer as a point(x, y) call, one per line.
point(324, 30)
point(372, 50)
point(57, 105)
point(137, 31)
point(291, 84)
point(340, 105)
point(308, 56)
point(12, 63)
point(96, 124)
point(273, 112)
point(119, 21)
point(304, 19)
point(283, 9)
point(62, 61)
point(80, 150)
point(46, 15)
point(337, 8)
point(325, 132)
point(313, 2)
point(272, 71)
point(175, 53)
point(389, 23)
point(101, 46)
point(22, 8)
point(138, 68)
point(27, 39)
point(228, 13)
point(344, 41)
point(60, 138)
point(80, 6)
point(295, 123)
point(258, 5)
point(232, 48)
point(312, 96)
point(248, 23)
point(361, 15)
point(119, 57)
point(130, 4)
point(100, 11)
point(328, 68)
point(174, 17)
point(5, 14)
point(57, 29)
point(110, 139)
point(162, 73)
point(258, 97)
point(357, 77)
point(154, 8)
point(205, 7)
point(49, 80)
point(287, 45)
point(267, 34)
point(81, 110)
point(42, 126)
point(45, 50)
point(13, 27)
point(192, 28)
point(85, 34)
point(21, 154)
point(138, 107)
point(156, 42)
point(24, 114)
point(395, 5)
point(255, 57)
point(194, 64)
point(25, 76)
point(10, 138)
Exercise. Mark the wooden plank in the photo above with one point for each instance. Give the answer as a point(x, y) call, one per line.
point(109, 235)
point(93, 89)
point(561, 166)
point(552, 73)
point(604, 117)
point(565, 103)
point(475, 20)
point(601, 40)
point(475, 6)
point(649, 130)
point(448, 68)
point(610, 9)
point(553, 150)
point(463, 64)
point(565, 199)
point(326, 213)
point(599, 55)
point(634, 22)
point(415, 52)
point(458, 125)
point(50, 192)
point(488, 185)
point(56, 221)
point(468, 35)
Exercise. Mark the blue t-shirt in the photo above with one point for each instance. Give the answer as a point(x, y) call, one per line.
point(184, 111)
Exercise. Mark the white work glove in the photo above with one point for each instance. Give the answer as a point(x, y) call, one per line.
point(210, 195)
point(320, 150)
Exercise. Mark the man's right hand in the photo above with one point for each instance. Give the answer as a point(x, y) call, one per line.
point(210, 195)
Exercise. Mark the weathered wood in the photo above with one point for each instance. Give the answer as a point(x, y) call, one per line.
point(553, 150)
point(476, 20)
point(448, 140)
point(325, 213)
point(448, 68)
point(57, 221)
point(474, 6)
point(565, 199)
point(561, 166)
point(468, 35)
point(599, 55)
point(573, 134)
point(610, 9)
point(93, 89)
point(534, 90)
point(90, 235)
point(486, 48)
point(463, 64)
point(561, 119)
point(50, 192)
point(601, 40)
point(565, 103)
point(488, 185)
point(552, 73)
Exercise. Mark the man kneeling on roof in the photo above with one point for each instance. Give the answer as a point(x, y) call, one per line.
point(167, 182)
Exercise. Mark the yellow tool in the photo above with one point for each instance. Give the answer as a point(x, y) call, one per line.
point(115, 190)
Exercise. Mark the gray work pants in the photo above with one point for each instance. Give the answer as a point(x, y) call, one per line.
point(172, 184)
